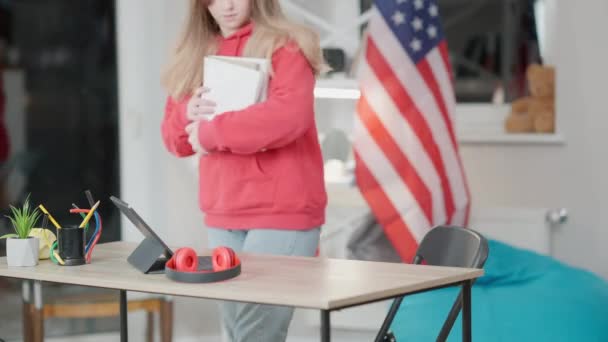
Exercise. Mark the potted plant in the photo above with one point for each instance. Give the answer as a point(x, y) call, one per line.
point(21, 248)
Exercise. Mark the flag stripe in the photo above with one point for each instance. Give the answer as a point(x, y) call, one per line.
point(424, 68)
point(403, 135)
point(410, 112)
point(397, 231)
point(442, 75)
point(441, 70)
point(399, 195)
point(396, 157)
point(410, 79)
point(459, 218)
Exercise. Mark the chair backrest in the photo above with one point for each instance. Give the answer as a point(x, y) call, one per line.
point(452, 246)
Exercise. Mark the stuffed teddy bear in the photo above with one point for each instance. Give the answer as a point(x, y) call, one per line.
point(535, 113)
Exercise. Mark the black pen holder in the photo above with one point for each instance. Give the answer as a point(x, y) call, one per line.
point(71, 245)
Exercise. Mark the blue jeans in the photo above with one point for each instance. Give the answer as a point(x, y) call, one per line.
point(256, 322)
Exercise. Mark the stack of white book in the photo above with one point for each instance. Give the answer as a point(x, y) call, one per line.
point(235, 82)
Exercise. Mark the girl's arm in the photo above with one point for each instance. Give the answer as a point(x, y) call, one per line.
point(173, 128)
point(285, 116)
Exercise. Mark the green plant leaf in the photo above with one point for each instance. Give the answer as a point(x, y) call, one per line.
point(24, 219)
point(6, 236)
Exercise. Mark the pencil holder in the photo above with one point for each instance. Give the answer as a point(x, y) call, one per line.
point(70, 242)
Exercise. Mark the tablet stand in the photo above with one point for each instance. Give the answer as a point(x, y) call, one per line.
point(149, 257)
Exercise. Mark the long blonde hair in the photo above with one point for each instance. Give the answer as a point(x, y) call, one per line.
point(272, 29)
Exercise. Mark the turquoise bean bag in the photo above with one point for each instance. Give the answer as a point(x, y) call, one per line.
point(524, 296)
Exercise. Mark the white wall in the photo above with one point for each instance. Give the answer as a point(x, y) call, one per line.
point(573, 175)
point(159, 186)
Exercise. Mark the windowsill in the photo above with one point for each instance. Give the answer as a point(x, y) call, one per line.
point(484, 124)
point(506, 138)
point(476, 123)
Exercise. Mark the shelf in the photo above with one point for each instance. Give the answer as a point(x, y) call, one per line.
point(342, 83)
point(480, 123)
point(339, 88)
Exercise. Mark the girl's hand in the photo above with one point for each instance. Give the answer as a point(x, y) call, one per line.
point(192, 130)
point(199, 108)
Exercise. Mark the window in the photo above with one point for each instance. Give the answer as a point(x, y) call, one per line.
point(491, 43)
point(59, 127)
point(58, 63)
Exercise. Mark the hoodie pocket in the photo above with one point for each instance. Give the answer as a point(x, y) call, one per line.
point(231, 183)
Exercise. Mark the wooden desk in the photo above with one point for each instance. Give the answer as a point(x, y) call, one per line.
point(314, 283)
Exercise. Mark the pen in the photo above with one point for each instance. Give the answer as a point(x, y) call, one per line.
point(89, 215)
point(89, 197)
point(45, 221)
point(50, 216)
point(56, 255)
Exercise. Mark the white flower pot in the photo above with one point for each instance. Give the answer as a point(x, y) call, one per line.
point(22, 252)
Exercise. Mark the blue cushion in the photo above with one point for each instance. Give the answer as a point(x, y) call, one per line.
point(523, 296)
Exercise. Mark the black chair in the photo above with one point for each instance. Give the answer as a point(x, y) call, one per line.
point(444, 246)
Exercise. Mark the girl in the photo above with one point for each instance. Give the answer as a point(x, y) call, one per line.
point(261, 170)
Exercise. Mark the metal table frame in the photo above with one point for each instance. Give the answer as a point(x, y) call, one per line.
point(383, 334)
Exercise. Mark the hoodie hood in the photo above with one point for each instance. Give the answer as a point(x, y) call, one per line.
point(234, 44)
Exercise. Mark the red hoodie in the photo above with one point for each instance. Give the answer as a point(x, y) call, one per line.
point(264, 168)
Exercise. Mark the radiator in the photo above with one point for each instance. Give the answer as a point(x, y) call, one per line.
point(521, 227)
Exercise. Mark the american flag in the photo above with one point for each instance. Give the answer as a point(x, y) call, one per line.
point(408, 167)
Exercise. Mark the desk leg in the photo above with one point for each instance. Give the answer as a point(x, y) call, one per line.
point(124, 334)
point(325, 326)
point(38, 313)
point(466, 311)
point(26, 296)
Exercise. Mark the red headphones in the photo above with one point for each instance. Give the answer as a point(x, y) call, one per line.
point(186, 266)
